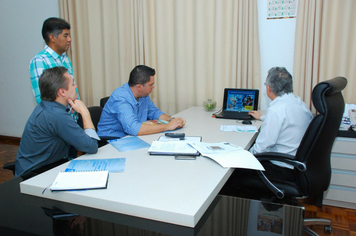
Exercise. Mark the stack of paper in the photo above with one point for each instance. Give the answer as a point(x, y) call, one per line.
point(172, 148)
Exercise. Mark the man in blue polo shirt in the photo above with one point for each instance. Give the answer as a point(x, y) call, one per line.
point(130, 106)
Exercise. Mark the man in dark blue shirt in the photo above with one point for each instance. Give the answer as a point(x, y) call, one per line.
point(50, 130)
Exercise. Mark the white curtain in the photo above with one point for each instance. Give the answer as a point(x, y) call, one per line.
point(325, 46)
point(198, 47)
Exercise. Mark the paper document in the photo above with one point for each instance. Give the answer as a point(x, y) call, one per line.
point(238, 128)
point(172, 148)
point(128, 143)
point(112, 165)
point(80, 180)
point(237, 159)
point(228, 155)
point(214, 148)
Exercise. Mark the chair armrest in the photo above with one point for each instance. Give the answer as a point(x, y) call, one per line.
point(282, 157)
point(276, 191)
point(10, 166)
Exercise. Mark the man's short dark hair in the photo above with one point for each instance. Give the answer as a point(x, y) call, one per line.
point(141, 75)
point(51, 81)
point(53, 26)
point(280, 81)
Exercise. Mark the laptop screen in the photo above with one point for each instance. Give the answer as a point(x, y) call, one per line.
point(240, 100)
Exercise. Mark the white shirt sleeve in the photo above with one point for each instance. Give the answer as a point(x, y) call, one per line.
point(269, 133)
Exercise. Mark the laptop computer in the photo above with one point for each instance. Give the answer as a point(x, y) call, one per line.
point(237, 103)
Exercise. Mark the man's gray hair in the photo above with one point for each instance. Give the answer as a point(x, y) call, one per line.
point(280, 81)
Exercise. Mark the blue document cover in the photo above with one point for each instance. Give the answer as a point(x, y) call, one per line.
point(112, 165)
point(129, 143)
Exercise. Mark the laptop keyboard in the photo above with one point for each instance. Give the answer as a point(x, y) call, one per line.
point(243, 115)
point(235, 115)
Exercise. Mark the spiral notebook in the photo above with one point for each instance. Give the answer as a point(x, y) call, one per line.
point(80, 180)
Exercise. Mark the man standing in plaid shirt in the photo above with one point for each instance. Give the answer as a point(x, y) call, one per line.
point(56, 33)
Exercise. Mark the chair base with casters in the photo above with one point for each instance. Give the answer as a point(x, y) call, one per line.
point(312, 169)
point(317, 221)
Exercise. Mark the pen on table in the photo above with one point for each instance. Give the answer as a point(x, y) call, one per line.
point(163, 121)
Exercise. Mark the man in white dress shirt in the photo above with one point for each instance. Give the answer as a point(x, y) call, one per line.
point(283, 128)
point(286, 120)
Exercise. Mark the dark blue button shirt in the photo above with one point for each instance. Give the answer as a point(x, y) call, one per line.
point(47, 135)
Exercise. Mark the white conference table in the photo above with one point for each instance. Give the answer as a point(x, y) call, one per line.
point(155, 187)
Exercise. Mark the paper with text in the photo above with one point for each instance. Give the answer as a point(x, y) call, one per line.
point(112, 165)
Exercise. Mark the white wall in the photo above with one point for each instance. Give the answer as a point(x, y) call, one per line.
point(276, 46)
point(20, 39)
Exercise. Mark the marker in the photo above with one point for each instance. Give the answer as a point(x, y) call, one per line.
point(163, 121)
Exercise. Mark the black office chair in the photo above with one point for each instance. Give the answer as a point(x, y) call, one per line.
point(312, 168)
point(103, 101)
point(95, 113)
point(104, 139)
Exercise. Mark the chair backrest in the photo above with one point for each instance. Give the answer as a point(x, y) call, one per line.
point(95, 113)
point(103, 101)
point(315, 147)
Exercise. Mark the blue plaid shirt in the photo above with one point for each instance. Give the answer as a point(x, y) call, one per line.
point(45, 59)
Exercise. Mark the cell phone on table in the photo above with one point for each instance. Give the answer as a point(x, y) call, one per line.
point(184, 157)
point(181, 136)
